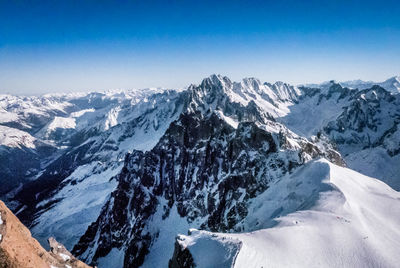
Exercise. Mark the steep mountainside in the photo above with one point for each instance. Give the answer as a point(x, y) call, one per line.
point(18, 249)
point(70, 190)
point(205, 170)
point(39, 129)
point(367, 134)
point(123, 172)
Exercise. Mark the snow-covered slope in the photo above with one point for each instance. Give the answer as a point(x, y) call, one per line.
point(14, 138)
point(70, 192)
point(316, 108)
point(21, 155)
point(37, 130)
point(329, 216)
point(123, 172)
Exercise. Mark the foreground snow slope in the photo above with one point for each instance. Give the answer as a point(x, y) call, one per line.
point(348, 220)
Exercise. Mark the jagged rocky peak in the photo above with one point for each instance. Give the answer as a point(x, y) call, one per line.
point(252, 82)
point(207, 167)
point(335, 89)
point(251, 86)
point(365, 123)
point(265, 95)
point(212, 90)
point(217, 94)
point(215, 84)
point(374, 94)
point(392, 84)
point(284, 91)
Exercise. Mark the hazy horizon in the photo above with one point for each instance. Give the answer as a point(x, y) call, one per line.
point(67, 91)
point(68, 46)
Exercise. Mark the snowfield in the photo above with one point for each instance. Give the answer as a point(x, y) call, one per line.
point(77, 205)
point(11, 137)
point(351, 220)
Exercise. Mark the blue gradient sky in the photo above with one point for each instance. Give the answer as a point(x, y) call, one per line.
point(53, 46)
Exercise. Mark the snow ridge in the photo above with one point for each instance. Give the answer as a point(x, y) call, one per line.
point(347, 222)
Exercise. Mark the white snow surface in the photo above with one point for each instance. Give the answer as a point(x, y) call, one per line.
point(11, 137)
point(78, 204)
point(113, 259)
point(163, 247)
point(309, 116)
point(340, 219)
point(65, 257)
point(62, 122)
point(232, 122)
point(221, 250)
point(376, 163)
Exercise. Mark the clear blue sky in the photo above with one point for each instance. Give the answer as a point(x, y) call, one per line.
point(53, 46)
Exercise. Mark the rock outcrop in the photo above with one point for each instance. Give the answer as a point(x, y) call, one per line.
point(18, 249)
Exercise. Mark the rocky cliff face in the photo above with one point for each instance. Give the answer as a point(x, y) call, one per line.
point(18, 249)
point(371, 114)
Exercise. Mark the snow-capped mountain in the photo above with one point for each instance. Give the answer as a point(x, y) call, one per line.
point(207, 167)
point(76, 182)
point(363, 124)
point(392, 84)
point(38, 129)
point(124, 172)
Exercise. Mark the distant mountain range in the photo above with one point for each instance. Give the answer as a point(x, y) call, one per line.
point(392, 84)
point(256, 174)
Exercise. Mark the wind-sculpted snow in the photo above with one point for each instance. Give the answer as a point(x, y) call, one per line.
point(347, 220)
